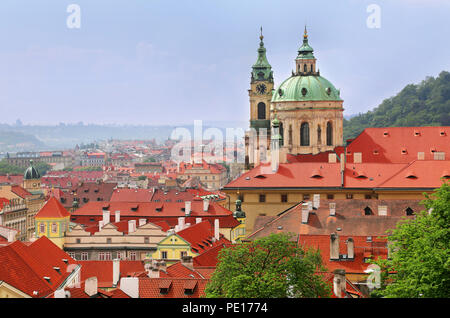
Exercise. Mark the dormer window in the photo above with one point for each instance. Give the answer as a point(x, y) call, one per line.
point(409, 211)
point(404, 152)
point(416, 133)
point(386, 133)
point(367, 211)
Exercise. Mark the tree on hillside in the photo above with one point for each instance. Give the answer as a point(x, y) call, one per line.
point(419, 264)
point(424, 104)
point(269, 267)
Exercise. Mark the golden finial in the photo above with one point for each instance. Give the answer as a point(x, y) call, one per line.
point(261, 37)
point(305, 35)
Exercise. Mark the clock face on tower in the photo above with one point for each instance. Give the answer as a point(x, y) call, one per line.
point(261, 88)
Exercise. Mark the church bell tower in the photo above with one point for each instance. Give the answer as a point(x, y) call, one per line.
point(260, 93)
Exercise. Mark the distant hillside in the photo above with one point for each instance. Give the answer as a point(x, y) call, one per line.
point(19, 141)
point(424, 104)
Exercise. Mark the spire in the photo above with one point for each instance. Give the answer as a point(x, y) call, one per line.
point(262, 70)
point(305, 51)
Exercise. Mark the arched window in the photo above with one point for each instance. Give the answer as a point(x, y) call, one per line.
point(305, 68)
point(304, 134)
point(311, 68)
point(261, 111)
point(281, 134)
point(329, 134)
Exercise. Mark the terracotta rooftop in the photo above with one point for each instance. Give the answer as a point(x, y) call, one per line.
point(25, 266)
point(52, 209)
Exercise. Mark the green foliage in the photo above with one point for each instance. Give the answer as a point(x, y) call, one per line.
point(269, 267)
point(42, 167)
point(6, 168)
point(419, 265)
point(425, 104)
point(90, 168)
point(150, 159)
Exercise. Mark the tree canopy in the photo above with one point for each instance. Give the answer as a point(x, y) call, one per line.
point(269, 267)
point(419, 264)
point(424, 104)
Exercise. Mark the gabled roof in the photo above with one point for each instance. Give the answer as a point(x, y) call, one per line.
point(52, 209)
point(25, 266)
point(201, 237)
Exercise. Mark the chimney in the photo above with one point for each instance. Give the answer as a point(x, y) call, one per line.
point(205, 205)
point(187, 208)
point(154, 273)
point(116, 271)
point(350, 248)
point(117, 219)
point(142, 222)
point(357, 157)
point(187, 261)
point(332, 158)
point(90, 286)
point(339, 285)
point(216, 229)
point(332, 208)
point(60, 293)
point(162, 265)
point(305, 213)
point(11, 236)
point(316, 201)
point(131, 226)
point(181, 223)
point(130, 286)
point(100, 224)
point(334, 247)
point(421, 156)
point(198, 220)
point(105, 217)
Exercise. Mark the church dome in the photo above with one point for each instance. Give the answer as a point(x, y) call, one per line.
point(306, 88)
point(31, 172)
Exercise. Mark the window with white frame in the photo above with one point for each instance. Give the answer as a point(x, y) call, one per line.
point(84, 256)
point(132, 256)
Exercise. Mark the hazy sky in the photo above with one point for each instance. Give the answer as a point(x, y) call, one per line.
point(174, 61)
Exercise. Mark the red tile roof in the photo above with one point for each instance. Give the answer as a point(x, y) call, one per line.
point(376, 248)
point(25, 266)
point(52, 209)
point(103, 270)
point(201, 237)
point(175, 287)
point(21, 192)
point(349, 217)
point(132, 195)
point(12, 179)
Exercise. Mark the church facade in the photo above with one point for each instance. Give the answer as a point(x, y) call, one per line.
point(308, 107)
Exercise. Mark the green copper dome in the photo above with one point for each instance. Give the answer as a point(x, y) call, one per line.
point(306, 88)
point(31, 172)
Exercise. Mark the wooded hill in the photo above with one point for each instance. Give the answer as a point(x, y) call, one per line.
point(424, 104)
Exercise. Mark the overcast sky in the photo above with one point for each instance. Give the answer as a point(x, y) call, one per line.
point(174, 61)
